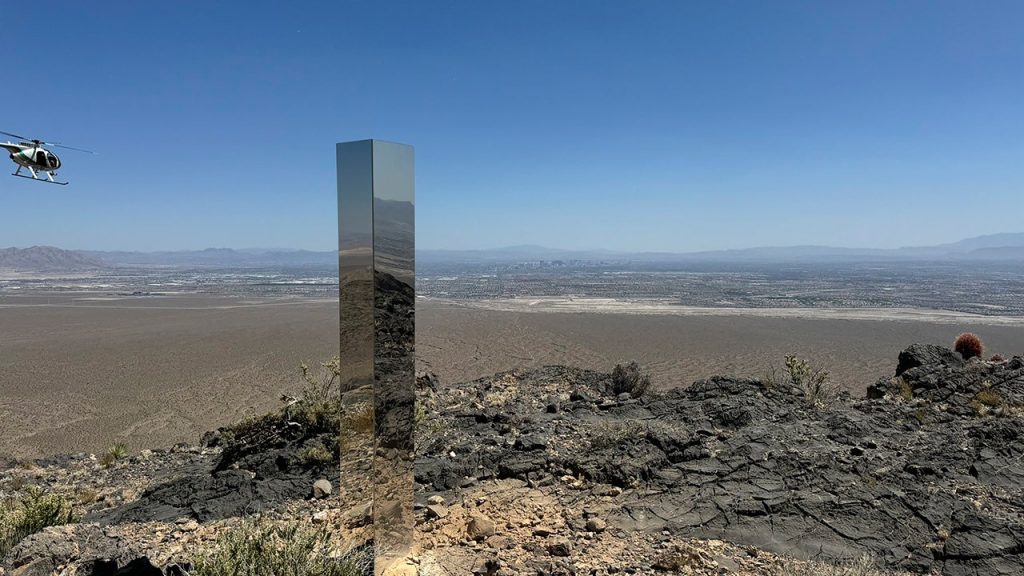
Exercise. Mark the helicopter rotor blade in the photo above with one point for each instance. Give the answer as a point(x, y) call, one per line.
point(13, 135)
point(54, 144)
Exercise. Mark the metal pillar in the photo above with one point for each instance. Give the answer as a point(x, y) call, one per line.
point(376, 248)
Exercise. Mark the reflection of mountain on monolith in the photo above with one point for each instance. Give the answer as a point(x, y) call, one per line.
point(394, 229)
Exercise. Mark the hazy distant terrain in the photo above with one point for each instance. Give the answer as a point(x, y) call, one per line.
point(992, 246)
point(155, 348)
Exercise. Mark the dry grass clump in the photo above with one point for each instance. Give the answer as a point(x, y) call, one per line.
point(359, 418)
point(30, 513)
point(629, 379)
point(612, 434)
point(987, 400)
point(261, 548)
point(968, 345)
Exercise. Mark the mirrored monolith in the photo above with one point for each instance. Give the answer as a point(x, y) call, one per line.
point(376, 247)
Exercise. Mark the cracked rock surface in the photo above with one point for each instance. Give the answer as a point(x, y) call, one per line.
point(925, 475)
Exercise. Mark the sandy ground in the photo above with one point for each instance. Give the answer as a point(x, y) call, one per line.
point(81, 374)
point(460, 342)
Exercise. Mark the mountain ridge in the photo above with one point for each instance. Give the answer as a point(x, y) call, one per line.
point(1001, 246)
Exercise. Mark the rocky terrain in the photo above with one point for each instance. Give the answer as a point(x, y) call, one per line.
point(568, 471)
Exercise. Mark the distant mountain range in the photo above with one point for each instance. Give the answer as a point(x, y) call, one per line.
point(1008, 246)
point(47, 259)
point(218, 257)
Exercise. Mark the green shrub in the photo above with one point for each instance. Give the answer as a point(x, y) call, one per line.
point(29, 514)
point(430, 429)
point(115, 453)
point(259, 548)
point(314, 455)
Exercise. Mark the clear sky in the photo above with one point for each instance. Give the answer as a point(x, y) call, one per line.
point(630, 125)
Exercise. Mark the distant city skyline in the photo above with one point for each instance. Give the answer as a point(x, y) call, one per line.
point(654, 126)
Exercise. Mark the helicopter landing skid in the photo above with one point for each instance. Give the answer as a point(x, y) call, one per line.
point(44, 180)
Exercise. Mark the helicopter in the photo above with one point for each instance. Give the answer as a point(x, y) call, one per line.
point(30, 154)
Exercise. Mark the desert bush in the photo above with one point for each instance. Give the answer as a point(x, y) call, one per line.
point(319, 386)
point(611, 434)
point(87, 495)
point(314, 455)
point(115, 453)
point(968, 345)
point(906, 390)
point(260, 548)
point(430, 430)
point(814, 382)
point(629, 379)
point(34, 510)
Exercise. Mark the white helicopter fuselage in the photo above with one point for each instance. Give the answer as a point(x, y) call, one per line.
point(32, 156)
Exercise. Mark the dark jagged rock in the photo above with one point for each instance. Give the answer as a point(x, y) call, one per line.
point(44, 553)
point(927, 477)
point(139, 567)
point(927, 355)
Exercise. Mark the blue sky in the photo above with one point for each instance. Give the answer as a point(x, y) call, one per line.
point(621, 125)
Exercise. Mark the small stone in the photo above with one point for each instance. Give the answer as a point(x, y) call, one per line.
point(437, 510)
point(188, 525)
point(322, 488)
point(320, 517)
point(596, 525)
point(543, 531)
point(561, 547)
point(359, 515)
point(435, 500)
point(480, 527)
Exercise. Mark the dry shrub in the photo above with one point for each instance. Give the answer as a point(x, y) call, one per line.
point(968, 345)
point(814, 382)
point(319, 387)
point(629, 379)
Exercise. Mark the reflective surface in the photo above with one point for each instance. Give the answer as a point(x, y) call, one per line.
point(376, 266)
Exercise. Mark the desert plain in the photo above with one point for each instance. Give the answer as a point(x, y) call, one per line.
point(79, 373)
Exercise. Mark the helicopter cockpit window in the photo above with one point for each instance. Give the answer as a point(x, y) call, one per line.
point(41, 157)
point(52, 159)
